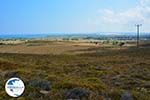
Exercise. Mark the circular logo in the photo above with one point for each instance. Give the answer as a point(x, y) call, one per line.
point(14, 87)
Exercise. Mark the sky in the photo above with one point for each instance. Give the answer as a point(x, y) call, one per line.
point(73, 16)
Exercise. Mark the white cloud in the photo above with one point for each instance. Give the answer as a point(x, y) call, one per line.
point(109, 20)
point(144, 2)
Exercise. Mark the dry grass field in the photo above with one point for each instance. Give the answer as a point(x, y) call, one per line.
point(77, 70)
point(44, 47)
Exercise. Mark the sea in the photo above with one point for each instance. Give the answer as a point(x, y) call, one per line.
point(99, 36)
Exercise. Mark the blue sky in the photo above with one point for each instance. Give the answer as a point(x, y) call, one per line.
point(49, 16)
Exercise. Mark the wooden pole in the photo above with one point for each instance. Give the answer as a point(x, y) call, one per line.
point(138, 34)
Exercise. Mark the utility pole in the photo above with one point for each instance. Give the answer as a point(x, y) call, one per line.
point(138, 33)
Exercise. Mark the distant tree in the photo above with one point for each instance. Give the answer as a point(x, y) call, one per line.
point(1, 43)
point(121, 44)
point(75, 39)
point(115, 42)
point(96, 43)
point(118, 43)
point(106, 42)
point(66, 39)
